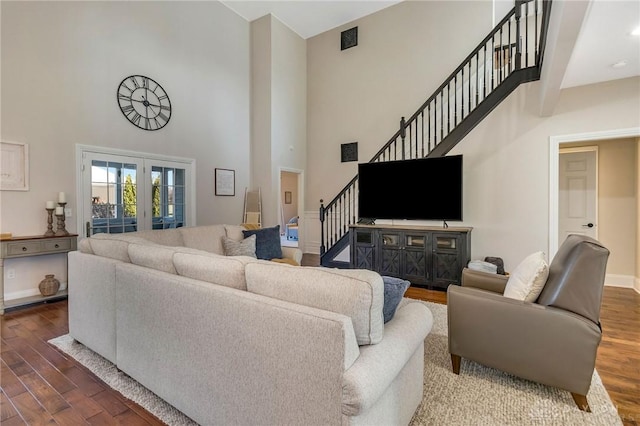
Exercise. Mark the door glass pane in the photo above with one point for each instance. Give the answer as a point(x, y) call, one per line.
point(167, 197)
point(113, 197)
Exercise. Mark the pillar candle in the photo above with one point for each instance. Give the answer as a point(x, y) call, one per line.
point(62, 197)
point(50, 204)
point(59, 210)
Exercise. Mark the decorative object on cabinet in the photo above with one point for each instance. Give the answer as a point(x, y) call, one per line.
point(144, 102)
point(15, 166)
point(225, 182)
point(49, 285)
point(28, 246)
point(427, 256)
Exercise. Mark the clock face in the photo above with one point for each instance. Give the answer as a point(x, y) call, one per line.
point(144, 102)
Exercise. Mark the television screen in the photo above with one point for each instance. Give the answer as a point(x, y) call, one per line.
point(421, 189)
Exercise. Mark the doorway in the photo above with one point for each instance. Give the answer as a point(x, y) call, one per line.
point(615, 221)
point(290, 207)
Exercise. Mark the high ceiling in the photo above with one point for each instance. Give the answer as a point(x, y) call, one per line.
point(605, 37)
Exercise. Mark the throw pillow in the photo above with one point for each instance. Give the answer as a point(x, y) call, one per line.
point(246, 247)
point(267, 242)
point(394, 289)
point(528, 279)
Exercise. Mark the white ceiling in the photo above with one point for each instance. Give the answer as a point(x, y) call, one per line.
point(605, 37)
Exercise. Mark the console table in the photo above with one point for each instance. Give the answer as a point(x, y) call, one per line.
point(32, 246)
point(429, 256)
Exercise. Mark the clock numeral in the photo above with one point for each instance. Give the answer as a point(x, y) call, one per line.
point(146, 123)
point(166, 108)
point(124, 97)
point(135, 82)
point(127, 109)
point(157, 123)
point(163, 97)
point(145, 82)
point(136, 119)
point(163, 117)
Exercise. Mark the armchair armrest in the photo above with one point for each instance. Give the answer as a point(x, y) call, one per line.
point(535, 342)
point(484, 280)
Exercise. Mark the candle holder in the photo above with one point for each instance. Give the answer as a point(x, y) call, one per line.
point(61, 231)
point(49, 232)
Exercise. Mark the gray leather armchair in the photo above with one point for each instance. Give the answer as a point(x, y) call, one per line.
point(552, 341)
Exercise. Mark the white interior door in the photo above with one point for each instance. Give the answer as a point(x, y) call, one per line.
point(578, 193)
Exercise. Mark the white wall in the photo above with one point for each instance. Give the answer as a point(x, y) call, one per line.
point(61, 65)
point(279, 108)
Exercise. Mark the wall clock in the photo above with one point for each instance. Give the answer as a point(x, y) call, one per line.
point(144, 102)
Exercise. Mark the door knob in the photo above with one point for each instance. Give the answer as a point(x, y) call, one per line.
point(588, 225)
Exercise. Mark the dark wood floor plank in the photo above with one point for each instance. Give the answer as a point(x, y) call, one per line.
point(7, 410)
point(111, 403)
point(69, 416)
point(31, 411)
point(9, 382)
point(87, 407)
point(15, 362)
point(131, 418)
point(87, 384)
point(47, 396)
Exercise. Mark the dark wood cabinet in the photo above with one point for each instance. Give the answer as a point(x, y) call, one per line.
point(429, 257)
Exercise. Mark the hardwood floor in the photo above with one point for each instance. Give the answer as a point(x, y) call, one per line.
point(41, 385)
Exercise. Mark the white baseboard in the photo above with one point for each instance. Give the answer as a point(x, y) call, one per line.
point(615, 280)
point(636, 287)
point(21, 294)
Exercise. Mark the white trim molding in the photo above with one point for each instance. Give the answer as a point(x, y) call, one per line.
point(636, 286)
point(616, 280)
point(312, 231)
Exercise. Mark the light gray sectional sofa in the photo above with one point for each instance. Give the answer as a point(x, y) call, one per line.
point(236, 340)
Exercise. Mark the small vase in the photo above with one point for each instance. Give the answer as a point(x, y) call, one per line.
point(49, 286)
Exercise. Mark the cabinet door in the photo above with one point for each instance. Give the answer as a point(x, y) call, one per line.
point(416, 258)
point(447, 267)
point(390, 254)
point(363, 253)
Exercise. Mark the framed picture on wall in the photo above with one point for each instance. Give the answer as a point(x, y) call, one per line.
point(287, 197)
point(15, 166)
point(225, 182)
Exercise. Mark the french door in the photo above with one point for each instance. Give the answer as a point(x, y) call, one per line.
point(126, 193)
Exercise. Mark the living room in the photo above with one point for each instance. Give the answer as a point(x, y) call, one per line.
point(257, 98)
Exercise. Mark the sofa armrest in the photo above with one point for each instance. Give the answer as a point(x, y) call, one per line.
point(484, 280)
point(378, 365)
point(292, 253)
point(535, 342)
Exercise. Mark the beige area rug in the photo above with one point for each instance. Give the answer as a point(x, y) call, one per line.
point(478, 396)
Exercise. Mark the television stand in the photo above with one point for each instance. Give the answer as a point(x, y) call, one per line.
point(428, 256)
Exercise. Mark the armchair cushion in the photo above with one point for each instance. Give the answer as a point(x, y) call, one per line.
point(528, 279)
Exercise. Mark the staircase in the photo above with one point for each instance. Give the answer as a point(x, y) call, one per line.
point(510, 55)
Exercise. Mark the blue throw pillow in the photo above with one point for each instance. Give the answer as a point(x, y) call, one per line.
point(267, 242)
point(394, 289)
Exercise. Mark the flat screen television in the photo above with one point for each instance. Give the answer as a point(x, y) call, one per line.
point(421, 189)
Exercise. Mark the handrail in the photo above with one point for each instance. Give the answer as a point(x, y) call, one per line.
point(444, 105)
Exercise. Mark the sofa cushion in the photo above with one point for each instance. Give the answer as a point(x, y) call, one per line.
point(235, 231)
point(246, 247)
point(267, 242)
point(212, 268)
point(356, 293)
point(394, 289)
point(111, 248)
point(528, 279)
point(158, 257)
point(166, 237)
point(207, 238)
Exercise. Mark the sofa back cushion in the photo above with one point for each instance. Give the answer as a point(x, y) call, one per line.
point(234, 232)
point(165, 237)
point(359, 294)
point(212, 268)
point(207, 238)
point(153, 256)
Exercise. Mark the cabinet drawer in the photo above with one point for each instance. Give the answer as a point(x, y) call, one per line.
point(18, 248)
point(61, 244)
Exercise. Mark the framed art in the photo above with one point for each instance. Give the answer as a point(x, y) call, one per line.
point(14, 170)
point(225, 182)
point(287, 197)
